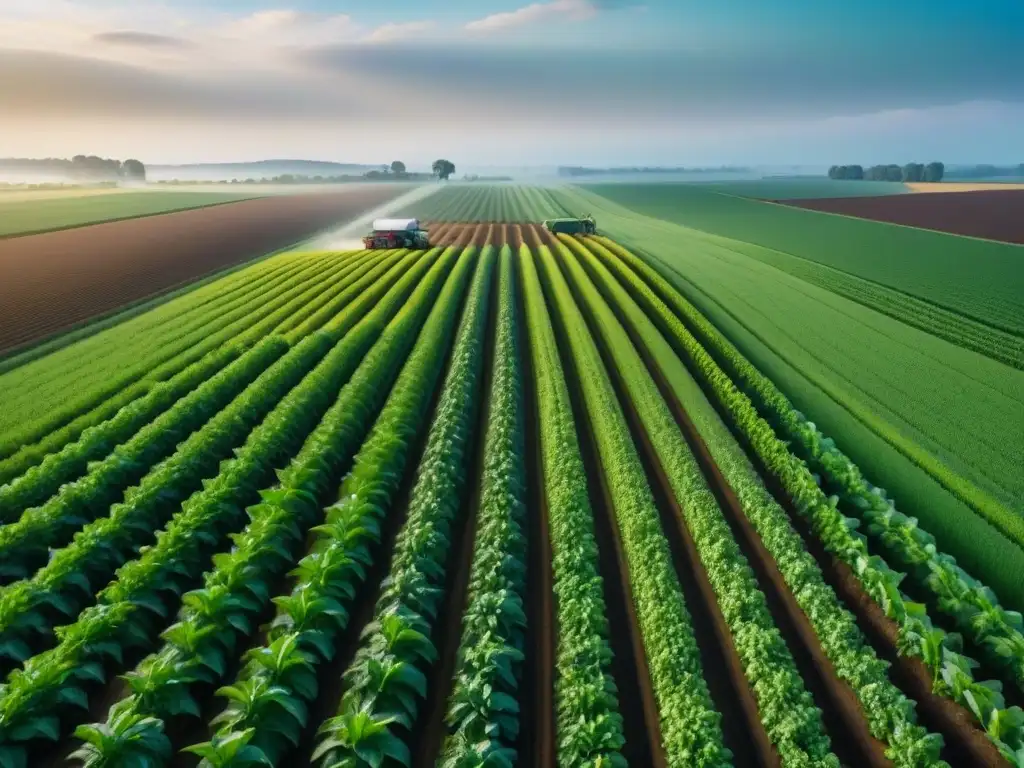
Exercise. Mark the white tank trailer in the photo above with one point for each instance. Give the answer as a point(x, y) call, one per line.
point(396, 233)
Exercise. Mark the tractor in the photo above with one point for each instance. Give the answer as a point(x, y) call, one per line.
point(396, 233)
point(584, 225)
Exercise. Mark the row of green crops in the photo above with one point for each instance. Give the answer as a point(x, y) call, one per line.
point(387, 679)
point(483, 711)
point(924, 418)
point(24, 544)
point(589, 726)
point(889, 713)
point(38, 405)
point(786, 709)
point(93, 402)
point(268, 703)
point(377, 273)
point(941, 652)
point(95, 340)
point(482, 202)
point(146, 589)
point(217, 618)
point(690, 725)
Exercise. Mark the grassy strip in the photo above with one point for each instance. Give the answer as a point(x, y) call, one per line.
point(491, 650)
point(33, 699)
point(589, 725)
point(939, 651)
point(891, 715)
point(272, 698)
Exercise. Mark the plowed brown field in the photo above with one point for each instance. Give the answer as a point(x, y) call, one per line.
point(55, 280)
point(993, 214)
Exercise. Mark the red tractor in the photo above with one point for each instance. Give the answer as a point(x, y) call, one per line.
point(396, 233)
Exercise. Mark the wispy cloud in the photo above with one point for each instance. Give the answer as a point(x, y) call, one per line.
point(390, 32)
point(141, 39)
point(576, 10)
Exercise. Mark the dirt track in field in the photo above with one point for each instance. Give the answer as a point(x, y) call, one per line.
point(990, 214)
point(52, 281)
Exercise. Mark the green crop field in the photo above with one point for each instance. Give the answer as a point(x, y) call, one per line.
point(659, 496)
point(976, 279)
point(23, 215)
point(791, 189)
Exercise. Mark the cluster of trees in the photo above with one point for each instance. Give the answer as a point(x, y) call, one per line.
point(84, 167)
point(443, 169)
point(908, 172)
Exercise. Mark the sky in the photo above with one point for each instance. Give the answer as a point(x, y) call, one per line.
point(513, 82)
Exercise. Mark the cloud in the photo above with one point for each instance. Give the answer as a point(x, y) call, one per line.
point(399, 31)
point(576, 10)
point(141, 39)
point(292, 27)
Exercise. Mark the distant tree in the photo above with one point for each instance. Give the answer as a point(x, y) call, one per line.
point(855, 172)
point(833, 172)
point(133, 169)
point(934, 172)
point(913, 172)
point(443, 169)
point(398, 168)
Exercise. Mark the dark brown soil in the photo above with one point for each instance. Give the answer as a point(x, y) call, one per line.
point(52, 281)
point(991, 214)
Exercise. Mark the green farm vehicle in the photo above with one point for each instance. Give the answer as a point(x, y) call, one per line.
point(584, 225)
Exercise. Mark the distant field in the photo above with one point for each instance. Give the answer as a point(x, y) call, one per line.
point(649, 496)
point(800, 189)
point(25, 214)
point(55, 280)
point(977, 279)
point(966, 186)
point(992, 214)
point(913, 409)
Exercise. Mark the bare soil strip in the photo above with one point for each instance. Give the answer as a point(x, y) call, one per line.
point(990, 214)
point(52, 281)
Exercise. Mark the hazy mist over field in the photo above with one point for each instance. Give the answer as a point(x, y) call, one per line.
point(511, 82)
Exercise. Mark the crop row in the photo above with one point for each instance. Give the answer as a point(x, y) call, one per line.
point(54, 404)
point(690, 725)
point(484, 711)
point(589, 723)
point(274, 699)
point(952, 672)
point(55, 679)
point(889, 713)
point(93, 405)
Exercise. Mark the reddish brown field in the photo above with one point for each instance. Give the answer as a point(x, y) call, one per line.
point(55, 280)
point(993, 215)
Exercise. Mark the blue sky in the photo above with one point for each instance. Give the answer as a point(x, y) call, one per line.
point(513, 82)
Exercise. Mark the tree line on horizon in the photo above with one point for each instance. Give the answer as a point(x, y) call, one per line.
point(908, 173)
point(90, 167)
